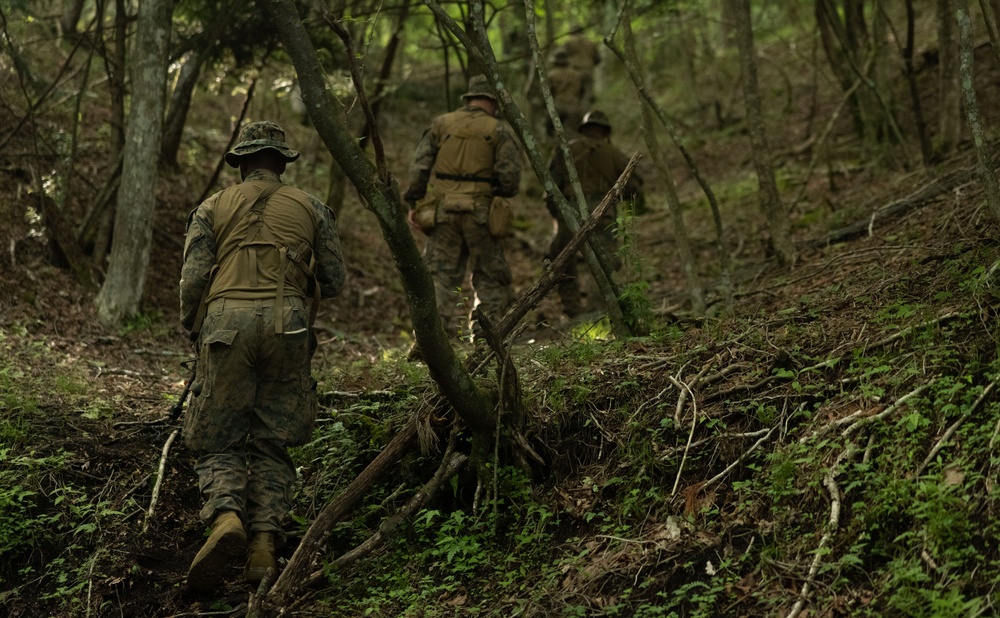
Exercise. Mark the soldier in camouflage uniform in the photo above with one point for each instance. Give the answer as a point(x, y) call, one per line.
point(258, 257)
point(463, 166)
point(566, 84)
point(598, 164)
point(584, 57)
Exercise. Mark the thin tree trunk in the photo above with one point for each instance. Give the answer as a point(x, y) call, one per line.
point(684, 251)
point(69, 19)
point(596, 255)
point(481, 54)
point(990, 17)
point(180, 104)
point(926, 152)
point(381, 195)
point(210, 185)
point(664, 119)
point(987, 175)
point(115, 67)
point(121, 294)
point(770, 201)
point(187, 80)
point(949, 89)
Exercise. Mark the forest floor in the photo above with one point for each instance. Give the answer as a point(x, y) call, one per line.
point(97, 401)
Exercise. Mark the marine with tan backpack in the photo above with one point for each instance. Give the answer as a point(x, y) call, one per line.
point(465, 169)
point(258, 257)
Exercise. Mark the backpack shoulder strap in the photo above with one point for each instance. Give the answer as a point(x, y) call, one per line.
point(252, 197)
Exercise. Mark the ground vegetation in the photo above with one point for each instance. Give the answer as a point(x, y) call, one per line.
point(818, 439)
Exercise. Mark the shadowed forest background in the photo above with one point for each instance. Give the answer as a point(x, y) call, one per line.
point(796, 416)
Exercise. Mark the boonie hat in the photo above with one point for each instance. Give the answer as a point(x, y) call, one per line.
point(479, 86)
point(258, 136)
point(596, 117)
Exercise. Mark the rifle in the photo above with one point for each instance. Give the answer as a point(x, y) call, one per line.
point(175, 412)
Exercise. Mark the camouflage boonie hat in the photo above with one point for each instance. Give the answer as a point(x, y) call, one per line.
point(479, 86)
point(596, 117)
point(258, 136)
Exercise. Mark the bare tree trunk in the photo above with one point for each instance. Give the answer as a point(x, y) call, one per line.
point(180, 103)
point(987, 175)
point(684, 251)
point(770, 201)
point(664, 119)
point(69, 19)
point(116, 81)
point(990, 17)
point(595, 254)
point(949, 89)
point(121, 293)
point(926, 151)
point(381, 194)
point(187, 79)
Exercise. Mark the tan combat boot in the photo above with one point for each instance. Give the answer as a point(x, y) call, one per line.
point(225, 543)
point(261, 558)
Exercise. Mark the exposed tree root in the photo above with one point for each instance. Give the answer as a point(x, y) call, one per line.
point(953, 428)
point(832, 524)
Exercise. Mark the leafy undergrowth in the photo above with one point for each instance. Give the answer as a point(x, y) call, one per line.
point(829, 447)
point(835, 454)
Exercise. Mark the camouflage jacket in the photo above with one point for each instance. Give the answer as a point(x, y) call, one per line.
point(598, 165)
point(208, 229)
point(583, 53)
point(567, 88)
point(504, 177)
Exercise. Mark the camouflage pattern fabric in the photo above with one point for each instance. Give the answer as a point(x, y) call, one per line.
point(253, 394)
point(461, 241)
point(598, 164)
point(201, 247)
point(567, 88)
point(257, 136)
point(584, 56)
point(506, 175)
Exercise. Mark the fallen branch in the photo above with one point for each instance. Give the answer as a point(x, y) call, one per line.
point(449, 467)
point(918, 198)
point(726, 436)
point(159, 478)
point(451, 463)
point(741, 458)
point(832, 524)
point(954, 427)
point(694, 422)
point(884, 413)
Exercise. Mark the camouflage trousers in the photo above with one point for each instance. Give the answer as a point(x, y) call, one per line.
point(569, 288)
point(460, 242)
point(253, 397)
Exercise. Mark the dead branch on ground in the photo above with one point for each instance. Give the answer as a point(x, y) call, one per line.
point(160, 471)
point(832, 524)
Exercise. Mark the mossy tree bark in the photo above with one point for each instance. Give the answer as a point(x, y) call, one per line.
point(987, 174)
point(770, 201)
point(949, 88)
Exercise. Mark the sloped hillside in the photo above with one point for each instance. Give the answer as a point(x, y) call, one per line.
point(824, 447)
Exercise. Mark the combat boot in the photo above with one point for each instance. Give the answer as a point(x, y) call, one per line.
point(261, 558)
point(227, 541)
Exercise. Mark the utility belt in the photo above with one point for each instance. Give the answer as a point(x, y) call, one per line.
point(219, 304)
point(463, 178)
